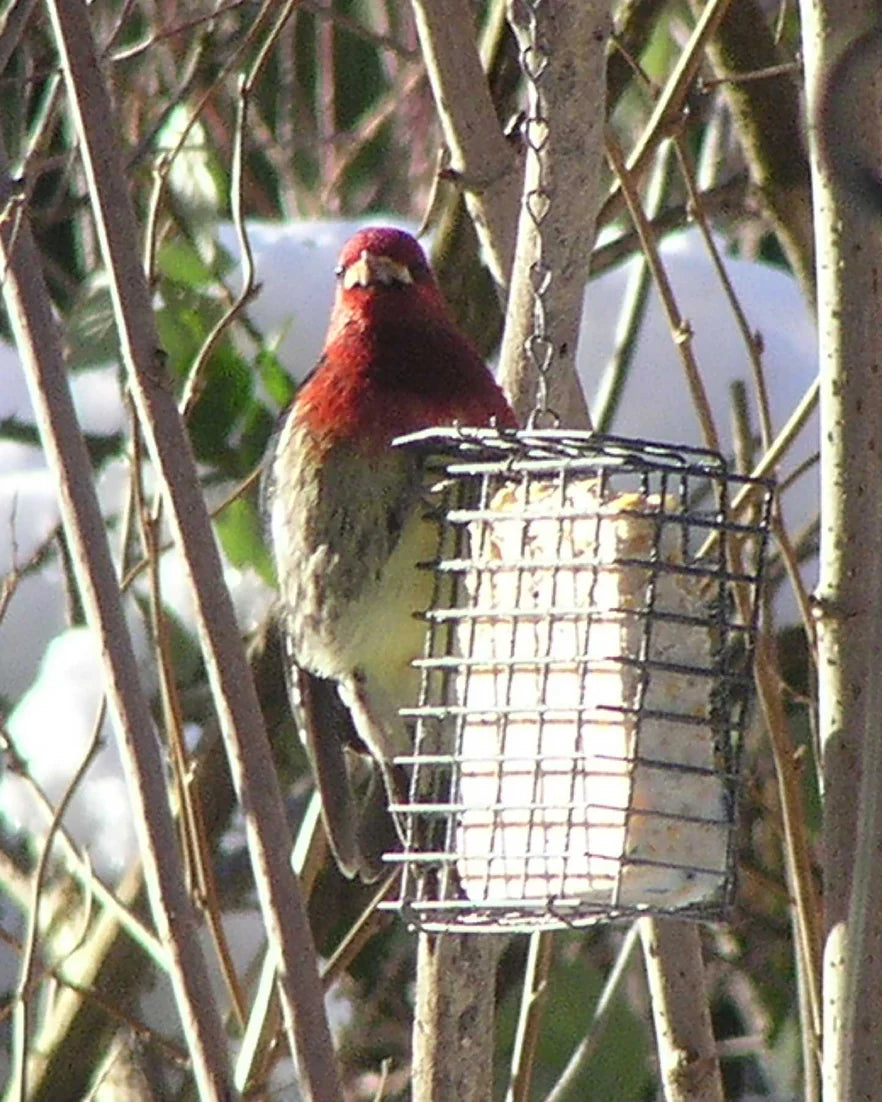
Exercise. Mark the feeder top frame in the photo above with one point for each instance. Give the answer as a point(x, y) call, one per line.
point(463, 450)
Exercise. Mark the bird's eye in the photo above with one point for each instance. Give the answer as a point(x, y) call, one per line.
point(339, 270)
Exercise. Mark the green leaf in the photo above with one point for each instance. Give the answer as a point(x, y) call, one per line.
point(257, 426)
point(279, 384)
point(240, 531)
point(617, 1071)
point(180, 261)
point(181, 333)
point(225, 398)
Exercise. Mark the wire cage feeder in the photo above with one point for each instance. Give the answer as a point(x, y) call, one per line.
point(585, 681)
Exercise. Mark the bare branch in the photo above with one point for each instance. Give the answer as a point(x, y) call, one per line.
point(690, 1070)
point(669, 106)
point(455, 997)
point(849, 608)
point(482, 161)
point(31, 317)
point(768, 116)
point(559, 209)
point(233, 687)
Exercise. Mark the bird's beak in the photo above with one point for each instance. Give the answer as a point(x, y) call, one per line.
point(369, 270)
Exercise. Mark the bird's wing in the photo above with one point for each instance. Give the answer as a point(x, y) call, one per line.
point(359, 832)
point(266, 487)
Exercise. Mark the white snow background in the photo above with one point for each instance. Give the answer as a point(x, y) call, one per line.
point(54, 674)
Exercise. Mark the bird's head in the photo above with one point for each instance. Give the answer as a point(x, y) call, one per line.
point(394, 359)
point(383, 267)
point(381, 256)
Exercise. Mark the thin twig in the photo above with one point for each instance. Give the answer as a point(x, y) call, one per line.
point(80, 868)
point(194, 843)
point(588, 1045)
point(533, 998)
point(365, 927)
point(770, 459)
point(681, 332)
point(15, 20)
point(20, 1037)
point(350, 144)
point(249, 288)
point(262, 1027)
point(669, 105)
point(226, 68)
point(796, 844)
point(182, 27)
point(786, 68)
point(751, 345)
point(174, 1053)
point(355, 27)
point(768, 117)
point(632, 310)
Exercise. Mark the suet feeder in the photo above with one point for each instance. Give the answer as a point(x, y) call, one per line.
point(584, 685)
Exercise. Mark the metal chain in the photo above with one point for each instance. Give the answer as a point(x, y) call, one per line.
point(535, 57)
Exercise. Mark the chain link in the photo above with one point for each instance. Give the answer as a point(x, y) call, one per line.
point(535, 58)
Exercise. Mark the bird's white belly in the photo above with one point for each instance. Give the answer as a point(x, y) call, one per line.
point(384, 631)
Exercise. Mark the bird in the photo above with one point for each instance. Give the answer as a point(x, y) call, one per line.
point(347, 522)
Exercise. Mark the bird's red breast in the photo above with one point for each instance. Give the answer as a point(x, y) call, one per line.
point(394, 360)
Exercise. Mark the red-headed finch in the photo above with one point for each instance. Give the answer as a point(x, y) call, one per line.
point(346, 515)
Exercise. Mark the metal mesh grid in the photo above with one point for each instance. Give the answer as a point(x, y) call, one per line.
point(584, 684)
